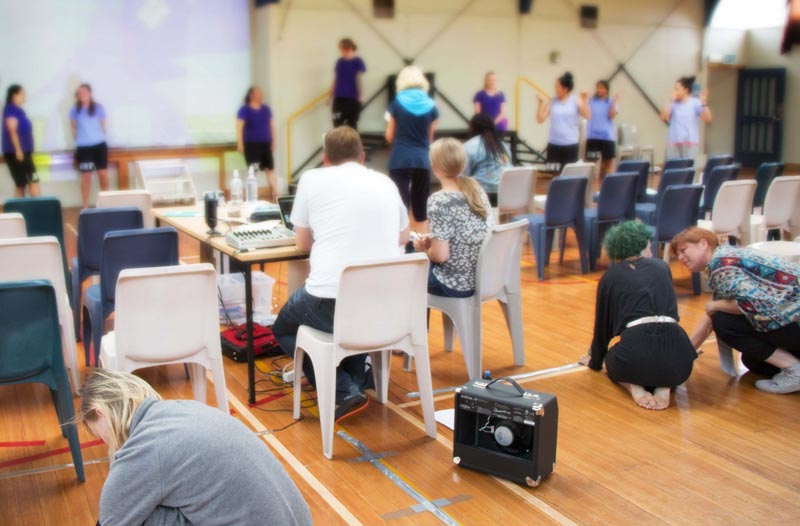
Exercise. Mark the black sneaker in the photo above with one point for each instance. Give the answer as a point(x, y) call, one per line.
point(350, 406)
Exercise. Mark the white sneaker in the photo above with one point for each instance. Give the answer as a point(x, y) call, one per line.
point(786, 381)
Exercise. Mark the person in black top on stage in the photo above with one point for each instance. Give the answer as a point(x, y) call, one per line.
point(636, 301)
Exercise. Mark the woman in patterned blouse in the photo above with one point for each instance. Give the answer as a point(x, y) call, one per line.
point(460, 217)
point(755, 307)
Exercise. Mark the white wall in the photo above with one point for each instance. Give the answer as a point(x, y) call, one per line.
point(489, 34)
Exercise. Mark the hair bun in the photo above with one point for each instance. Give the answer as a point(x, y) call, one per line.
point(567, 75)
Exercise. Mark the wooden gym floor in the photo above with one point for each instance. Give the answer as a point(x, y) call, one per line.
point(722, 454)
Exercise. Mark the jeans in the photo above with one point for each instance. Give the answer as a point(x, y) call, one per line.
point(304, 309)
point(437, 288)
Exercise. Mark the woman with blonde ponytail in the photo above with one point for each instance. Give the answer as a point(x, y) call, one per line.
point(460, 217)
point(180, 462)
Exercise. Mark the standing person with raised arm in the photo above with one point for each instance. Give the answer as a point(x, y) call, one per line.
point(492, 102)
point(347, 92)
point(88, 121)
point(412, 123)
point(17, 138)
point(600, 133)
point(683, 115)
point(564, 111)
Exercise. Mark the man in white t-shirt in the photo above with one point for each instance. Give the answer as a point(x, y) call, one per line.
point(342, 213)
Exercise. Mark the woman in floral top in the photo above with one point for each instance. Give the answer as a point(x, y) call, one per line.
point(755, 307)
point(460, 217)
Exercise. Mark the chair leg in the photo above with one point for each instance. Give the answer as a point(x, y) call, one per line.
point(381, 364)
point(97, 335)
point(513, 314)
point(297, 387)
point(87, 331)
point(63, 400)
point(325, 373)
point(197, 374)
point(220, 387)
point(57, 405)
point(549, 237)
point(76, 302)
point(562, 244)
point(449, 330)
point(469, 331)
point(425, 387)
point(727, 361)
point(582, 249)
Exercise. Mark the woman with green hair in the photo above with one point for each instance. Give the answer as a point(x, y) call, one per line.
point(636, 301)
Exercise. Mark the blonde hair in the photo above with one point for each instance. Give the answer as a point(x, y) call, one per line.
point(411, 77)
point(449, 159)
point(486, 78)
point(116, 395)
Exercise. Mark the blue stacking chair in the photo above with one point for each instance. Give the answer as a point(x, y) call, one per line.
point(616, 204)
point(565, 200)
point(651, 196)
point(30, 351)
point(646, 212)
point(633, 165)
point(93, 225)
point(764, 176)
point(712, 184)
point(123, 249)
point(678, 208)
point(713, 162)
point(42, 218)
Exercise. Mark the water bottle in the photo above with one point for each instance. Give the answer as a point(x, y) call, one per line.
point(252, 186)
point(235, 205)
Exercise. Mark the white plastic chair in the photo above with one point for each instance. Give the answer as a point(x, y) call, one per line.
point(141, 199)
point(779, 207)
point(168, 315)
point(731, 213)
point(498, 278)
point(515, 191)
point(380, 307)
point(40, 258)
point(12, 225)
point(580, 168)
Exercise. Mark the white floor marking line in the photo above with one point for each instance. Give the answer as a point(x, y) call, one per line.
point(525, 495)
point(34, 471)
point(290, 459)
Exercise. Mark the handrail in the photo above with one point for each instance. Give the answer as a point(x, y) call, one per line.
point(310, 104)
point(517, 86)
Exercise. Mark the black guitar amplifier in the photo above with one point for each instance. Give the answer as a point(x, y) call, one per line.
point(504, 430)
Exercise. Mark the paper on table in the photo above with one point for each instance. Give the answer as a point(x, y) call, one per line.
point(446, 417)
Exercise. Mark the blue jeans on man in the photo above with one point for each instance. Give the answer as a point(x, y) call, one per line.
point(303, 308)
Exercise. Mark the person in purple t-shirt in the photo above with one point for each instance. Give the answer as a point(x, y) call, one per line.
point(17, 138)
point(683, 114)
point(600, 133)
point(255, 133)
point(492, 102)
point(346, 92)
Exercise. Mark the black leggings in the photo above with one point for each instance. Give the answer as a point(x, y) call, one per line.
point(414, 185)
point(755, 346)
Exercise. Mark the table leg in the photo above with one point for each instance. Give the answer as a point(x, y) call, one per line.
point(248, 300)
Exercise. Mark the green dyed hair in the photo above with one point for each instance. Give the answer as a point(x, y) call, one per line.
point(626, 240)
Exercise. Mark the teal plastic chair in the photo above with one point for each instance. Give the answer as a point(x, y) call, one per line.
point(43, 218)
point(30, 351)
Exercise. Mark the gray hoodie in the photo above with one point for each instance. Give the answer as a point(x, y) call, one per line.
point(201, 462)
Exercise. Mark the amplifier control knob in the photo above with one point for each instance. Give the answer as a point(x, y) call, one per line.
point(456, 460)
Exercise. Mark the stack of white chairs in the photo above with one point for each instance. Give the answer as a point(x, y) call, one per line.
point(780, 205)
point(515, 192)
point(731, 213)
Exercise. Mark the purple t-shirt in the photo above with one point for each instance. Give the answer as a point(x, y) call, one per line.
point(600, 126)
point(347, 70)
point(256, 123)
point(24, 129)
point(683, 122)
point(491, 105)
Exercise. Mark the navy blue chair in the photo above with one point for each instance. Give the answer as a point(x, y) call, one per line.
point(678, 208)
point(672, 164)
point(764, 176)
point(42, 218)
point(719, 175)
point(713, 162)
point(93, 225)
point(633, 165)
point(30, 351)
point(123, 249)
point(615, 204)
point(646, 212)
point(565, 201)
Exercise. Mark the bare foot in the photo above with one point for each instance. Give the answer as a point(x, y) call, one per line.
point(585, 359)
point(640, 396)
point(661, 396)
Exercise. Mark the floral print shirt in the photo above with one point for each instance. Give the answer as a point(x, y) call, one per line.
point(766, 287)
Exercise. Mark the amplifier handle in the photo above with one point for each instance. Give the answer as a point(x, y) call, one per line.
point(507, 380)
